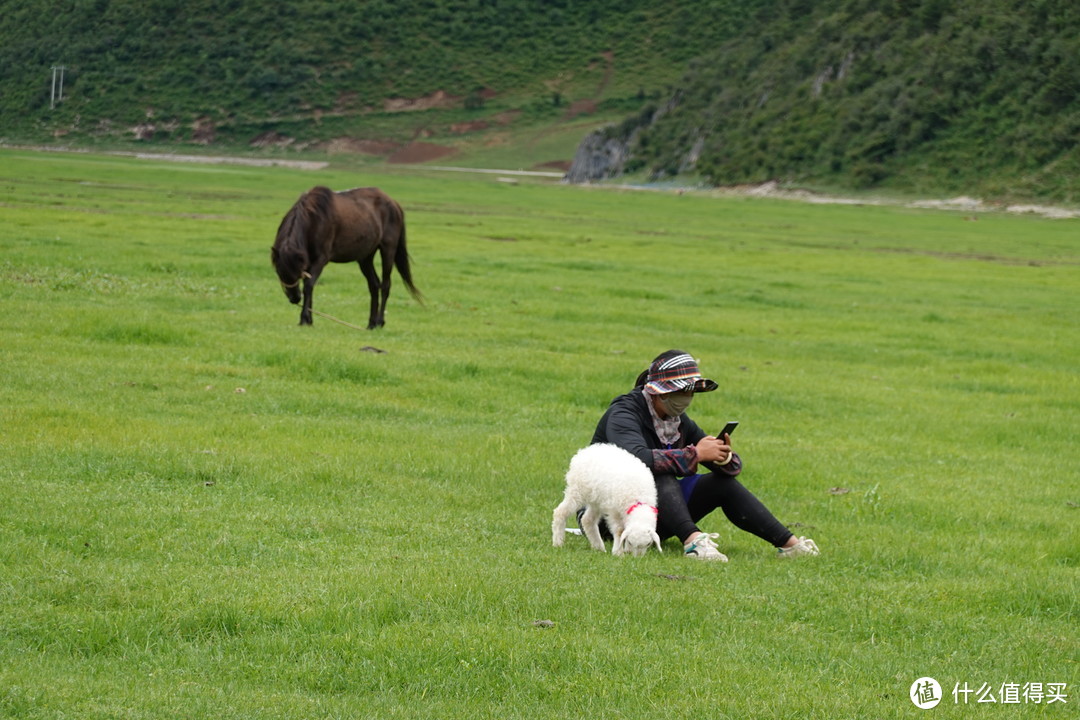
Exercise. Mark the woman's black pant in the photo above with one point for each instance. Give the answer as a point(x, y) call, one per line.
point(678, 515)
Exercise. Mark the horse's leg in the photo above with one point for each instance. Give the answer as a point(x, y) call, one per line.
point(387, 254)
point(367, 266)
point(309, 290)
point(305, 309)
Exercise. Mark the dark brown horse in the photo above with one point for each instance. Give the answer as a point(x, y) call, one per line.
point(348, 226)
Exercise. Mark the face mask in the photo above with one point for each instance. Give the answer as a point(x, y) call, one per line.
point(675, 404)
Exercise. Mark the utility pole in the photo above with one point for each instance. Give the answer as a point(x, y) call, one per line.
point(54, 97)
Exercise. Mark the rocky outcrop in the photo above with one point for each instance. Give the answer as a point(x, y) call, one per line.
point(608, 152)
point(598, 157)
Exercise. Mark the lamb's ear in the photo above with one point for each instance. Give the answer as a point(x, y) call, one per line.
point(656, 539)
point(617, 546)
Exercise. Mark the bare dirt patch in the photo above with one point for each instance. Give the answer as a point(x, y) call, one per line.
point(497, 140)
point(420, 152)
point(580, 107)
point(203, 131)
point(345, 101)
point(360, 146)
point(271, 138)
point(609, 71)
point(974, 205)
point(562, 165)
point(507, 117)
point(468, 127)
point(773, 189)
point(437, 99)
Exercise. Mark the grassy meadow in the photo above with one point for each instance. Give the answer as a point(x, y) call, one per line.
point(210, 511)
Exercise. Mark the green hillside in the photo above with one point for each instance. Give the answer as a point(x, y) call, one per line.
point(975, 95)
point(959, 96)
point(380, 70)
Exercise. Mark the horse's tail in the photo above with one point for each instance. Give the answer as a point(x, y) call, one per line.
point(401, 262)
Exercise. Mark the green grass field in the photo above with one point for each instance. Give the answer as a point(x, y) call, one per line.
point(210, 512)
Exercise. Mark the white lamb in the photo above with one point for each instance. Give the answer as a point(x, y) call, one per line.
point(612, 484)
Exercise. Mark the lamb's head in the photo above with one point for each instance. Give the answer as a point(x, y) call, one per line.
point(639, 532)
point(637, 540)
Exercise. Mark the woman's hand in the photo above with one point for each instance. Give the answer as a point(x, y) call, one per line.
point(712, 449)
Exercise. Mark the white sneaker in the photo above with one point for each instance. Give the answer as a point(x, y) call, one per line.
point(805, 546)
point(703, 547)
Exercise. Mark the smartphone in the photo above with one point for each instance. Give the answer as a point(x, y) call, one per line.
point(728, 429)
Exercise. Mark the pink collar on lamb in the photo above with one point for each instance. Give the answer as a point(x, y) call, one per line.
point(641, 504)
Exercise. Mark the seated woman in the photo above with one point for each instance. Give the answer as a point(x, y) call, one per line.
point(651, 423)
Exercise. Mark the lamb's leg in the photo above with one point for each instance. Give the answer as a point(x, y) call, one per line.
point(590, 523)
point(617, 527)
point(558, 521)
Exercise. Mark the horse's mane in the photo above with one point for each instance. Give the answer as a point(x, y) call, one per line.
point(311, 209)
point(302, 220)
